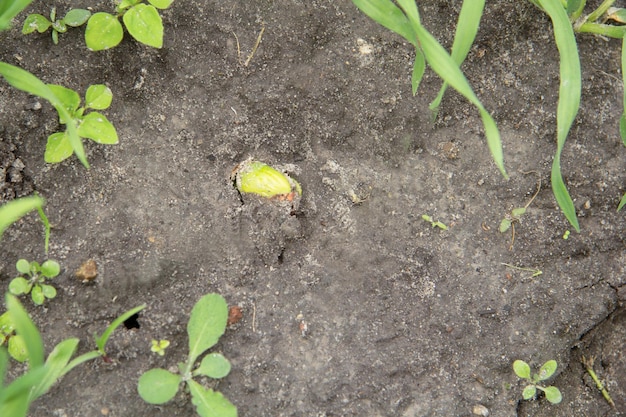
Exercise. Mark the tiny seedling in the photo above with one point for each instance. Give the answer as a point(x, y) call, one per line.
point(522, 370)
point(35, 284)
point(515, 216)
point(159, 346)
point(536, 272)
point(206, 325)
point(93, 125)
point(142, 22)
point(39, 23)
point(433, 223)
point(588, 364)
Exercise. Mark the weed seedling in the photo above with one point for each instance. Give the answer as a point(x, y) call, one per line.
point(159, 346)
point(522, 370)
point(515, 216)
point(433, 223)
point(536, 272)
point(588, 364)
point(206, 325)
point(39, 23)
point(142, 21)
point(14, 342)
point(35, 284)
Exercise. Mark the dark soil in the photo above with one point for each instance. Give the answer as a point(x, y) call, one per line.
point(403, 319)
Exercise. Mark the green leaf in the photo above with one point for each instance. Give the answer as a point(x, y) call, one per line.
point(58, 148)
point(207, 324)
point(8, 10)
point(505, 225)
point(553, 394)
point(529, 392)
point(622, 120)
point(210, 403)
point(103, 31)
point(101, 341)
point(97, 127)
point(55, 364)
point(574, 8)
point(19, 286)
point(547, 370)
point(161, 4)
point(14, 399)
point(145, 25)
point(158, 386)
point(14, 210)
point(48, 291)
point(50, 269)
point(76, 17)
point(23, 266)
point(37, 295)
point(621, 203)
point(6, 325)
point(518, 212)
point(569, 99)
point(35, 22)
point(419, 66)
point(387, 14)
point(98, 97)
point(521, 369)
point(619, 15)
point(69, 98)
point(17, 348)
point(25, 81)
point(213, 365)
point(25, 327)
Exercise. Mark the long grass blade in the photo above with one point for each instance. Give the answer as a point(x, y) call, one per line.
point(386, 13)
point(466, 30)
point(622, 120)
point(569, 99)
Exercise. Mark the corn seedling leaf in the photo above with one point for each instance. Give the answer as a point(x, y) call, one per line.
point(26, 328)
point(210, 403)
point(419, 66)
point(55, 363)
point(622, 202)
point(103, 31)
point(207, 324)
point(8, 10)
point(14, 210)
point(144, 23)
point(387, 14)
point(158, 386)
point(622, 120)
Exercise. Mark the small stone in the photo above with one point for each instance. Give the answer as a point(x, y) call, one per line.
point(88, 271)
point(480, 410)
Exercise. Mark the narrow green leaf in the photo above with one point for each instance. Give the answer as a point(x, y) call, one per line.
point(57, 359)
point(466, 30)
point(98, 97)
point(8, 10)
point(14, 210)
point(25, 327)
point(158, 386)
point(622, 202)
point(574, 8)
point(553, 394)
point(76, 17)
point(622, 120)
point(569, 99)
point(97, 127)
point(58, 148)
point(102, 340)
point(387, 14)
point(144, 23)
point(69, 98)
point(521, 369)
point(213, 365)
point(207, 324)
point(14, 400)
point(35, 22)
point(210, 403)
point(103, 31)
point(419, 66)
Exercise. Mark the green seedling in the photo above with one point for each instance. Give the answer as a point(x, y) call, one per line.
point(93, 125)
point(206, 325)
point(142, 22)
point(535, 272)
point(522, 370)
point(588, 364)
point(14, 343)
point(404, 19)
point(73, 18)
point(159, 346)
point(515, 216)
point(15, 398)
point(433, 223)
point(46, 226)
point(35, 284)
point(14, 210)
point(10, 9)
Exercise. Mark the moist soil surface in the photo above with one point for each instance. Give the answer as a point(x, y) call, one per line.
point(353, 305)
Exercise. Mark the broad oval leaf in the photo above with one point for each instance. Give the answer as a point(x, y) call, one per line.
point(522, 369)
point(214, 365)
point(98, 97)
point(97, 127)
point(50, 268)
point(37, 295)
point(145, 25)
point(547, 370)
point(103, 31)
point(17, 348)
point(158, 386)
point(207, 324)
point(23, 266)
point(58, 148)
point(505, 225)
point(48, 291)
point(529, 392)
point(35, 22)
point(210, 403)
point(76, 17)
point(553, 394)
point(19, 286)
point(25, 327)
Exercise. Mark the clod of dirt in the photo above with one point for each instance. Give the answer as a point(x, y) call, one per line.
point(234, 315)
point(88, 271)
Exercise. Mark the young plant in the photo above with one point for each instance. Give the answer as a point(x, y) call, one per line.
point(515, 216)
point(39, 23)
point(35, 283)
point(142, 22)
point(93, 125)
point(159, 346)
point(588, 364)
point(206, 325)
point(15, 399)
point(14, 343)
point(433, 223)
point(405, 21)
point(522, 370)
